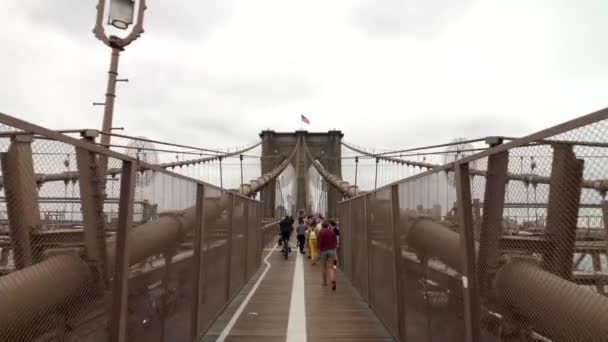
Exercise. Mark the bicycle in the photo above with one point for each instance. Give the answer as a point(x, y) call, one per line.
point(286, 249)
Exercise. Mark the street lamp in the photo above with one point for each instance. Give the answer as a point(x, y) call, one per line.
point(121, 14)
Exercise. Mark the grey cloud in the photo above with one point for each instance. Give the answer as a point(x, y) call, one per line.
point(234, 132)
point(193, 21)
point(583, 49)
point(411, 130)
point(76, 18)
point(486, 125)
point(175, 100)
point(154, 88)
point(418, 18)
point(263, 90)
point(72, 18)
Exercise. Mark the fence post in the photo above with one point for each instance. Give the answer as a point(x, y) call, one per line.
point(199, 235)
point(92, 201)
point(491, 222)
point(398, 261)
point(118, 322)
point(467, 248)
point(21, 199)
point(562, 210)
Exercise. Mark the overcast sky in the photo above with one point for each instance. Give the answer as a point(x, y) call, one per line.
point(387, 73)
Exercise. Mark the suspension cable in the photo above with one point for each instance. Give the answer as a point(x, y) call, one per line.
point(426, 147)
point(344, 187)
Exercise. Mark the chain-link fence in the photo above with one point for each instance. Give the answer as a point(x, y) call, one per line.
point(505, 245)
point(131, 253)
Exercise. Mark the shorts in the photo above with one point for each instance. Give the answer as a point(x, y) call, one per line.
point(328, 255)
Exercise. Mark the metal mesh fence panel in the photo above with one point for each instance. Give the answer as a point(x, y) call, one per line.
point(432, 308)
point(216, 255)
point(382, 259)
point(550, 282)
point(84, 257)
point(360, 245)
point(178, 281)
point(535, 214)
point(253, 230)
point(344, 225)
point(43, 238)
point(238, 245)
point(346, 240)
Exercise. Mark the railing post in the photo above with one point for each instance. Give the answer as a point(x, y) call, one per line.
point(398, 261)
point(118, 322)
point(199, 234)
point(562, 210)
point(21, 199)
point(491, 222)
point(467, 248)
point(92, 201)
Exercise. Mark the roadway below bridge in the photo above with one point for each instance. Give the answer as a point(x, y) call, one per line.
point(285, 301)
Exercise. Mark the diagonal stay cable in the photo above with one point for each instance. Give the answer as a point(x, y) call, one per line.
point(344, 187)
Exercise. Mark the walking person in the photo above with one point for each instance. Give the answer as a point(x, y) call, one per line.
point(327, 246)
point(313, 244)
point(301, 233)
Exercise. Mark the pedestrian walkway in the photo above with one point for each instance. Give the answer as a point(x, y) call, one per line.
point(279, 304)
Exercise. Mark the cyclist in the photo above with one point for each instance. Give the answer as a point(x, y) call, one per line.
point(285, 229)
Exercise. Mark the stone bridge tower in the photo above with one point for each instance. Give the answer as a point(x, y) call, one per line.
point(326, 147)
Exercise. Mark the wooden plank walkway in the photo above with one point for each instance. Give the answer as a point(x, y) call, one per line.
point(341, 315)
point(337, 316)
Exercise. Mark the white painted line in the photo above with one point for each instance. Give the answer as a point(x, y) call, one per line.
point(238, 312)
point(296, 327)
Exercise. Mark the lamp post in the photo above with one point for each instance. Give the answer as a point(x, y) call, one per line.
point(121, 14)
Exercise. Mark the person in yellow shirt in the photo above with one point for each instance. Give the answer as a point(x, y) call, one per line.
point(313, 245)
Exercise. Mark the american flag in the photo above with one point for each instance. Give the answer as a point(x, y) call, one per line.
point(304, 119)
